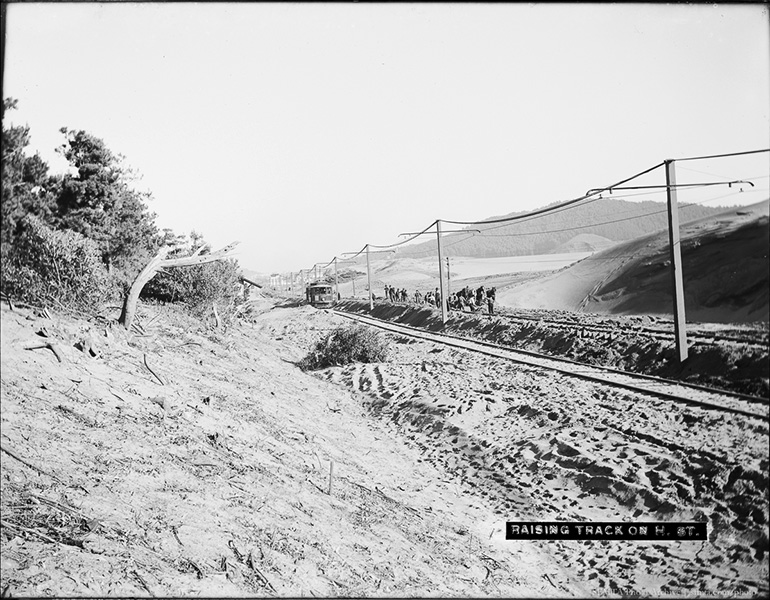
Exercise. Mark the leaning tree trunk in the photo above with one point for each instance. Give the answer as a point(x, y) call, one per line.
point(158, 262)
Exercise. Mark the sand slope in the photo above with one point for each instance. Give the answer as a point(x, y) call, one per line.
point(725, 266)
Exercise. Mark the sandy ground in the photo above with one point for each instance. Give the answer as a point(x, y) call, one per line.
point(216, 482)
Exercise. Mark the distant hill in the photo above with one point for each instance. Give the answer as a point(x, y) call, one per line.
point(585, 242)
point(613, 220)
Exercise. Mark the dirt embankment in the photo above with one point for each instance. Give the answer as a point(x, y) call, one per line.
point(622, 343)
point(183, 461)
point(187, 462)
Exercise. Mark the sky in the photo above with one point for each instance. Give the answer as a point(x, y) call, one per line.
point(305, 131)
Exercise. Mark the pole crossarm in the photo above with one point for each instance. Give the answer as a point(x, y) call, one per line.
point(444, 231)
point(668, 187)
point(372, 252)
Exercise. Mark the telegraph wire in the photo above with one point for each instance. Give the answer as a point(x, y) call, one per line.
point(452, 243)
point(406, 240)
point(721, 155)
point(589, 197)
point(562, 205)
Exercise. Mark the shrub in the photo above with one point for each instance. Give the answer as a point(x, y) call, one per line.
point(345, 345)
point(199, 286)
point(45, 265)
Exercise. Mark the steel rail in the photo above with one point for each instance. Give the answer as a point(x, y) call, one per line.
point(647, 331)
point(541, 361)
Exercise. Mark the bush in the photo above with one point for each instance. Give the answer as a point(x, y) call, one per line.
point(45, 265)
point(199, 286)
point(345, 345)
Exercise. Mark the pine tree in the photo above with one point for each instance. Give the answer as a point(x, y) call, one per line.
point(99, 202)
point(27, 189)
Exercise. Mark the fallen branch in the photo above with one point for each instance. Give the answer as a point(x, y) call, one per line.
point(173, 530)
point(27, 530)
point(143, 582)
point(119, 397)
point(52, 347)
point(92, 524)
point(8, 300)
point(260, 574)
point(199, 571)
point(151, 371)
point(30, 465)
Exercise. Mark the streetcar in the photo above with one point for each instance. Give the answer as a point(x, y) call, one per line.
point(320, 295)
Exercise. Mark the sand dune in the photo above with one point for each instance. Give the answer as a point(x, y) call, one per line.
point(725, 267)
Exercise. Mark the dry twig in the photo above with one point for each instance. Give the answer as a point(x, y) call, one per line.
point(151, 371)
point(143, 582)
point(29, 464)
point(50, 346)
point(250, 562)
point(27, 530)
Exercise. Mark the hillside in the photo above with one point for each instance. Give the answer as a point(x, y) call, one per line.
point(584, 242)
point(725, 265)
point(615, 220)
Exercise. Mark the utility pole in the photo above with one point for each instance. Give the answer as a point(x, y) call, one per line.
point(448, 277)
point(336, 280)
point(369, 279)
point(441, 274)
point(675, 252)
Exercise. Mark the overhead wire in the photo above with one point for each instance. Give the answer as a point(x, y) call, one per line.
point(577, 227)
point(401, 243)
point(554, 208)
point(567, 205)
point(722, 155)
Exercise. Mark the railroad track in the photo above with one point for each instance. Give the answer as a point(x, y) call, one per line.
point(594, 330)
point(677, 391)
point(759, 339)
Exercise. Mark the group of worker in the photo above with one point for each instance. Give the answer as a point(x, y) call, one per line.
point(466, 300)
point(473, 300)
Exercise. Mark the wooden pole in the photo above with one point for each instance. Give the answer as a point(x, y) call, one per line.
point(448, 279)
point(442, 287)
point(675, 252)
point(336, 281)
point(369, 279)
